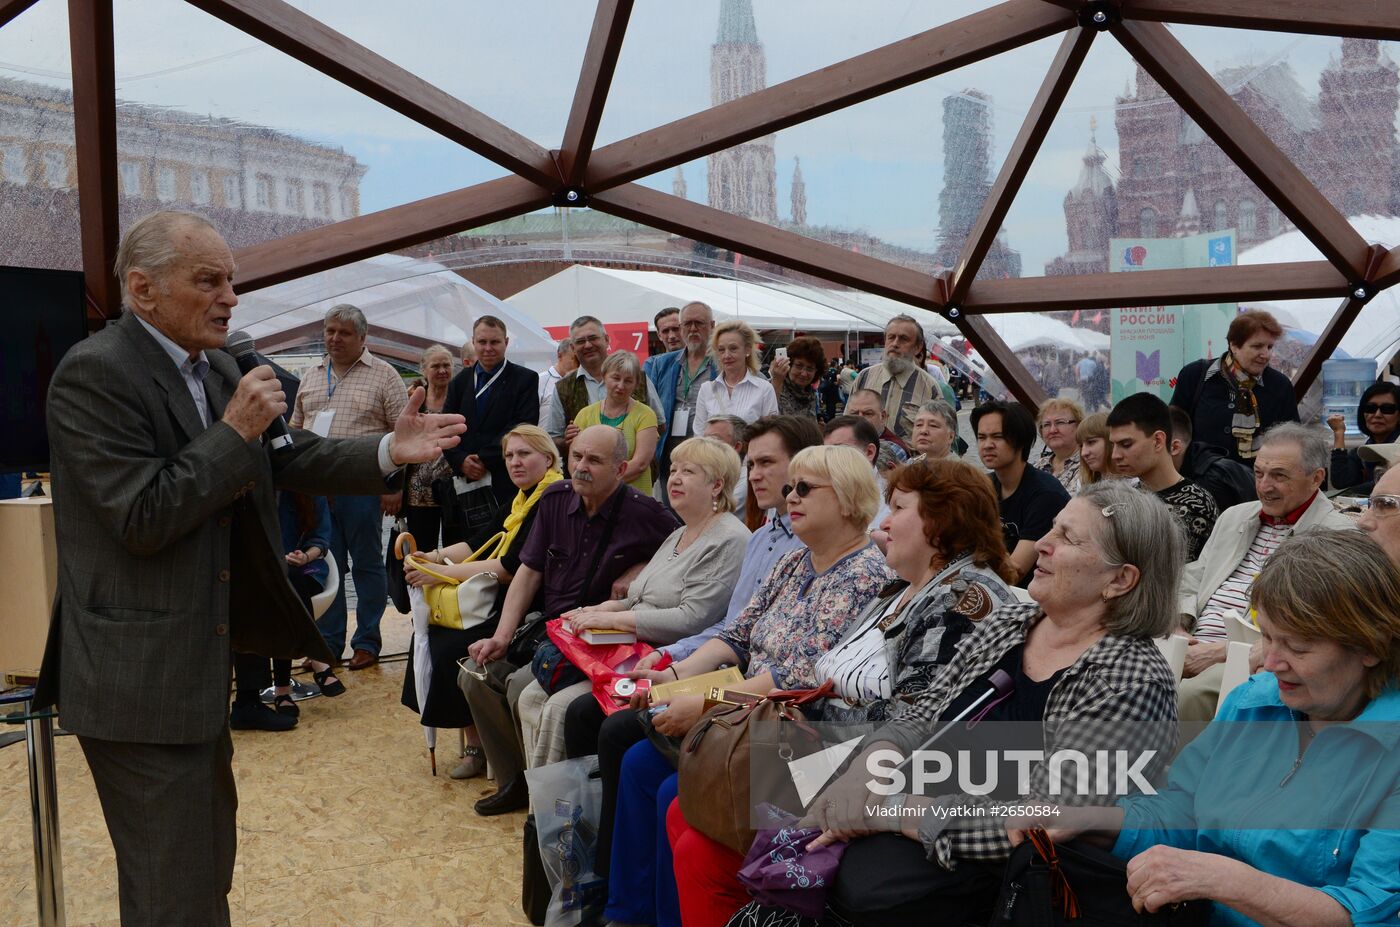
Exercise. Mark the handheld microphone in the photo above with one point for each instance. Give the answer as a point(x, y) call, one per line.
point(240, 346)
point(1000, 685)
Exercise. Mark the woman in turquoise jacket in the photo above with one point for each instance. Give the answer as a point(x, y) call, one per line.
point(1286, 810)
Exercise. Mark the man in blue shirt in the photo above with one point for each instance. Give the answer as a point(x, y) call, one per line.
point(678, 376)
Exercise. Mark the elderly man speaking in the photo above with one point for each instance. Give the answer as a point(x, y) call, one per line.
point(169, 557)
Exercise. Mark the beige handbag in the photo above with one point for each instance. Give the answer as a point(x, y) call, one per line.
point(455, 603)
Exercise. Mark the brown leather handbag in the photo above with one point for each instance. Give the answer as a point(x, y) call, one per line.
point(738, 752)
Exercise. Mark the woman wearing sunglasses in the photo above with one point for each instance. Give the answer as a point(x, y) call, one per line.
point(1378, 418)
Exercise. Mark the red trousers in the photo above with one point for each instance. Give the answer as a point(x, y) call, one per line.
point(707, 874)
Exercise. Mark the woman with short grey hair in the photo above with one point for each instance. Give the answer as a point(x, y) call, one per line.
point(1082, 664)
point(935, 433)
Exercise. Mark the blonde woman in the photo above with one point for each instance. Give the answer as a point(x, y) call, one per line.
point(617, 409)
point(1057, 422)
point(1095, 463)
point(533, 464)
point(738, 390)
point(425, 516)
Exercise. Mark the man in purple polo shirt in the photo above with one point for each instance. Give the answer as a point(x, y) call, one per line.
point(589, 532)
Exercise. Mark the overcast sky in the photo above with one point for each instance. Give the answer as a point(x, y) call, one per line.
point(877, 166)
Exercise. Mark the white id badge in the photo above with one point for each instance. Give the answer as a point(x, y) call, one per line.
point(679, 422)
point(321, 424)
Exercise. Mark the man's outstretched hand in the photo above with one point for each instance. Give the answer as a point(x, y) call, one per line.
point(420, 437)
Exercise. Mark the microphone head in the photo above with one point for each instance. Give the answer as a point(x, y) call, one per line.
point(1001, 681)
point(239, 344)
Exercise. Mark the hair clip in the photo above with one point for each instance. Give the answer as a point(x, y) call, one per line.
point(1109, 511)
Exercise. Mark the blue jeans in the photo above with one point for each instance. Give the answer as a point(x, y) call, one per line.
point(641, 880)
point(357, 542)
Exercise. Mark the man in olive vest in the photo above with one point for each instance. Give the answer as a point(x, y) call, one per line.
point(585, 385)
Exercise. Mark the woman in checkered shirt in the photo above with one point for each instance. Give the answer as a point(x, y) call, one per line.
point(1087, 677)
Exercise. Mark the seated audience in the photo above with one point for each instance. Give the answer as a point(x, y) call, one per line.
point(618, 409)
point(772, 444)
point(738, 389)
point(1085, 668)
point(1057, 421)
point(1095, 461)
point(1320, 723)
point(944, 543)
point(1379, 519)
point(1378, 418)
point(683, 589)
point(1030, 498)
point(532, 461)
point(584, 385)
point(1227, 480)
point(306, 531)
point(566, 562)
point(795, 615)
point(1139, 430)
point(856, 432)
point(1289, 470)
point(935, 431)
point(794, 377)
point(867, 404)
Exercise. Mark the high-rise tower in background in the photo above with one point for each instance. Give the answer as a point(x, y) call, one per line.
point(743, 180)
point(967, 181)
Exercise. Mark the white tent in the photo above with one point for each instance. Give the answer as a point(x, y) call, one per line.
point(1376, 330)
point(399, 296)
point(616, 296)
point(1022, 330)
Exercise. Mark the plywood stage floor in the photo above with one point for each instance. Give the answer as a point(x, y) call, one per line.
point(339, 823)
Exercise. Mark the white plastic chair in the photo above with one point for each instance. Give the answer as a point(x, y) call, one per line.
point(1173, 647)
point(1239, 629)
point(323, 599)
point(1236, 670)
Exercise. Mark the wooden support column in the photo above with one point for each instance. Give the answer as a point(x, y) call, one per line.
point(9, 9)
point(95, 133)
point(595, 79)
point(1362, 19)
point(1337, 326)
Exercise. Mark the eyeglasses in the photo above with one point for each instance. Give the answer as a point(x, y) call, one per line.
point(1384, 505)
point(1384, 408)
point(803, 488)
point(1057, 423)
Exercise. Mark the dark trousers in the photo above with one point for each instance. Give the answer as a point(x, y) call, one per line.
point(425, 523)
point(250, 671)
point(586, 732)
point(171, 812)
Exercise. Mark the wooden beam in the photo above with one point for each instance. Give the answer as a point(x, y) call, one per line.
point(9, 9)
point(1362, 19)
point(1300, 280)
point(945, 48)
point(1337, 326)
point(95, 137)
point(1322, 349)
point(1002, 360)
point(1073, 48)
point(599, 63)
point(365, 236)
point(724, 230)
point(1388, 273)
point(1216, 112)
point(315, 44)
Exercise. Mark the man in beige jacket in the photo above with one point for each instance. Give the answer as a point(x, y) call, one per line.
point(1289, 472)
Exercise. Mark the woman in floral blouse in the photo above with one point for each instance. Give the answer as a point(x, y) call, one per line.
point(795, 616)
point(1057, 421)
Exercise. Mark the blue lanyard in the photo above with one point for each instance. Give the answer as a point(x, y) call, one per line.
point(330, 387)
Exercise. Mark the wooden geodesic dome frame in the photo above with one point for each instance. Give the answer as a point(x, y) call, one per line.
point(605, 178)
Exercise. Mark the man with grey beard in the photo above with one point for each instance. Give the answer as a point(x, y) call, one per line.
point(901, 380)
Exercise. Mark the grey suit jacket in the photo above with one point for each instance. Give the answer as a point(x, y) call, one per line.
point(168, 542)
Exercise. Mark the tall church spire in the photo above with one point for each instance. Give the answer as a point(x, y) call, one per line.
point(799, 195)
point(742, 180)
point(678, 183)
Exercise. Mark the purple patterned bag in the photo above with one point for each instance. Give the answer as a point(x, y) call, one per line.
point(779, 870)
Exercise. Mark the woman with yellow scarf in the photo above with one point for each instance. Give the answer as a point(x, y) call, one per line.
point(533, 464)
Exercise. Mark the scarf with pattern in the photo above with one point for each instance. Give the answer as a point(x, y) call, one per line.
point(1244, 425)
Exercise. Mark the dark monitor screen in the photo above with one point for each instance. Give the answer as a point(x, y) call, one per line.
point(42, 315)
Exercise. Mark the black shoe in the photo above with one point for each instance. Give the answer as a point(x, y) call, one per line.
point(284, 705)
point(330, 685)
point(515, 796)
point(255, 716)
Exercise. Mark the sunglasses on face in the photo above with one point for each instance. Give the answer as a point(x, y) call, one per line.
point(802, 488)
point(1384, 408)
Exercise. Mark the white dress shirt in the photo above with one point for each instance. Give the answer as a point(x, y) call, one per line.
point(750, 399)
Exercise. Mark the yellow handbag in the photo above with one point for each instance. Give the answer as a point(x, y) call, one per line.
point(455, 603)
